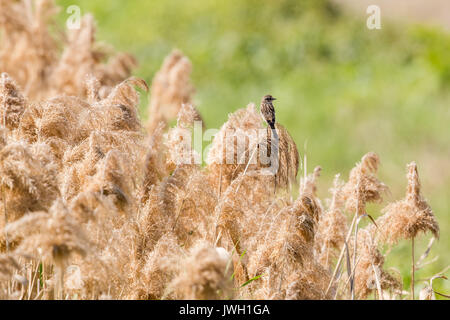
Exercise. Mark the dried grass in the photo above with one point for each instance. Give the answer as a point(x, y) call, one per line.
point(108, 210)
point(332, 227)
point(31, 54)
point(171, 88)
point(369, 269)
point(363, 186)
point(406, 218)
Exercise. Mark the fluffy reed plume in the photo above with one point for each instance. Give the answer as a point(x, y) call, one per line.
point(179, 141)
point(181, 204)
point(363, 186)
point(8, 265)
point(52, 119)
point(309, 284)
point(332, 227)
point(178, 203)
point(309, 185)
point(286, 163)
point(235, 212)
point(118, 111)
point(52, 237)
point(155, 163)
point(88, 206)
point(109, 124)
point(369, 273)
point(289, 157)
point(28, 51)
point(204, 275)
point(28, 175)
point(294, 241)
point(287, 264)
point(308, 190)
point(406, 218)
point(171, 88)
point(288, 244)
point(112, 181)
point(118, 68)
point(110, 269)
point(77, 60)
point(12, 102)
point(106, 208)
point(81, 58)
point(85, 155)
point(94, 176)
point(159, 268)
point(30, 54)
point(232, 147)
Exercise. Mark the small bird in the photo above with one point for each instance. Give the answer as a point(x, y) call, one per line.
point(268, 111)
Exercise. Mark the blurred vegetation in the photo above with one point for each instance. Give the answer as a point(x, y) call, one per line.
point(342, 89)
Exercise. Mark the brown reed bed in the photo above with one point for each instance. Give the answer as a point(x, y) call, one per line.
point(96, 204)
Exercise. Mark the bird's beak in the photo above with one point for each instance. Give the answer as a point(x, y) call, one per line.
point(274, 98)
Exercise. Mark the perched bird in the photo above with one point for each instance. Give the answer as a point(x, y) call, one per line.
point(268, 111)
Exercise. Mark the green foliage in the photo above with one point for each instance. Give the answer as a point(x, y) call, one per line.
point(246, 283)
point(341, 88)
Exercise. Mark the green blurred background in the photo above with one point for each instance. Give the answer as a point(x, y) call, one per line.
point(342, 89)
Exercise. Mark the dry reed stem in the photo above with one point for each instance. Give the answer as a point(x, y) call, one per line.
point(413, 271)
point(341, 255)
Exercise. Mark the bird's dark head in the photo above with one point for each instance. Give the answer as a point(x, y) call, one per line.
point(268, 98)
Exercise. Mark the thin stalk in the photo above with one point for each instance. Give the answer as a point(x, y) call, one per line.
point(5, 213)
point(33, 275)
point(348, 279)
point(355, 248)
point(341, 256)
point(378, 283)
point(30, 281)
point(59, 282)
point(355, 243)
point(412, 268)
point(218, 238)
point(246, 167)
point(220, 183)
point(276, 155)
